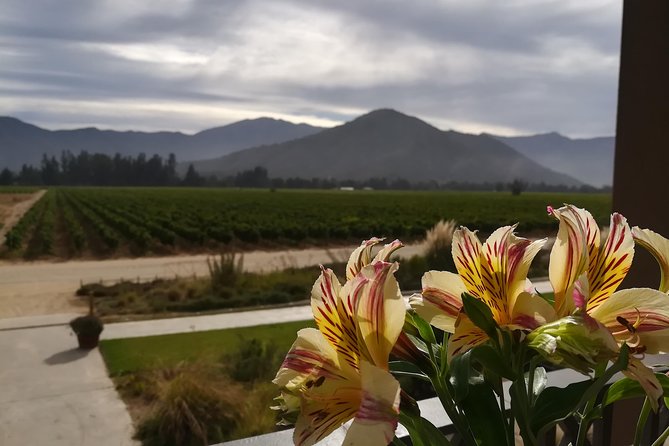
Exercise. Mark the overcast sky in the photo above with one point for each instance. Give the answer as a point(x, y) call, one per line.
point(507, 67)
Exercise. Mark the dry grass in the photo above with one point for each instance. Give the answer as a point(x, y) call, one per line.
point(439, 237)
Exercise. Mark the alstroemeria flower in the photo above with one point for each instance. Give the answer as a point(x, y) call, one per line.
point(658, 246)
point(340, 370)
point(495, 273)
point(585, 273)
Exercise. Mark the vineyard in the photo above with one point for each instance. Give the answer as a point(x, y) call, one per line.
point(115, 222)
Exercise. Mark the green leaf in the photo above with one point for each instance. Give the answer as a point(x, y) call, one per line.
point(421, 431)
point(555, 404)
point(491, 360)
point(484, 415)
point(480, 314)
point(627, 388)
point(460, 372)
point(405, 368)
point(424, 329)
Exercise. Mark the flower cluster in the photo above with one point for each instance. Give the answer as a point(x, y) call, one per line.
point(469, 331)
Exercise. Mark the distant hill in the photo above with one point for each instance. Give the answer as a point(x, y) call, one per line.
point(386, 143)
point(589, 160)
point(23, 143)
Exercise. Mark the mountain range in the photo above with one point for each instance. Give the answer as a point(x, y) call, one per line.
point(382, 143)
point(23, 143)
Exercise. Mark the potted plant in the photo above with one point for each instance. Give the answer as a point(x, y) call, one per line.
point(87, 328)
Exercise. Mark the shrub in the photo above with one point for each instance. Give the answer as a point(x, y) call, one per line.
point(191, 410)
point(438, 242)
point(225, 271)
point(254, 361)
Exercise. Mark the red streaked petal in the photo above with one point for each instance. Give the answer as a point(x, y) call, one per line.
point(361, 257)
point(333, 316)
point(467, 257)
point(609, 268)
point(380, 310)
point(440, 301)
point(658, 246)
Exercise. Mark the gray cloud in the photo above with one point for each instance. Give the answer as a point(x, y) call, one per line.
point(515, 67)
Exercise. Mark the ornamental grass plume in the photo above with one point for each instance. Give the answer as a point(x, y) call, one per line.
point(469, 331)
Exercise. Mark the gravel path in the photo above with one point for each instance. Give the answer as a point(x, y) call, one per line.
point(17, 212)
point(39, 288)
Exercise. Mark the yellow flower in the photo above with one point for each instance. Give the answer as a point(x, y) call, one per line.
point(340, 370)
point(586, 271)
point(495, 273)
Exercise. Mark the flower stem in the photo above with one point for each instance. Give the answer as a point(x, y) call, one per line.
point(641, 422)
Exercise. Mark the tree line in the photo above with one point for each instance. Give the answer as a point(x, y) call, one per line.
point(96, 169)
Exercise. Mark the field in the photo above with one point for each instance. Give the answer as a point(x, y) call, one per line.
point(116, 222)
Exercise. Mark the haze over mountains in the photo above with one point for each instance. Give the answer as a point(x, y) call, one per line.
point(382, 143)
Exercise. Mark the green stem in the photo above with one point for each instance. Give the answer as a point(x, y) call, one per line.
point(520, 401)
point(641, 422)
point(586, 418)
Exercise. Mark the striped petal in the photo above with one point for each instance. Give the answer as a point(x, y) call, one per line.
point(505, 261)
point(360, 257)
point(531, 311)
point(466, 250)
point(384, 254)
point(440, 302)
point(638, 371)
point(658, 246)
point(380, 310)
point(333, 312)
point(310, 358)
point(325, 407)
point(466, 336)
point(638, 316)
point(577, 235)
point(613, 260)
point(376, 419)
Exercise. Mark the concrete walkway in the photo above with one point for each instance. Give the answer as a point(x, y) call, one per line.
point(55, 394)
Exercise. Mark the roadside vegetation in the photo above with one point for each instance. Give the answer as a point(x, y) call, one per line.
point(117, 222)
point(200, 388)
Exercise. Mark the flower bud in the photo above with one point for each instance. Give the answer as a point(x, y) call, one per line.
point(578, 342)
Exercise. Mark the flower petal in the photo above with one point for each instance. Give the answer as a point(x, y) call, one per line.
point(638, 371)
point(380, 310)
point(310, 358)
point(440, 302)
point(376, 420)
point(578, 234)
point(505, 260)
point(325, 407)
point(531, 311)
point(360, 257)
point(645, 310)
point(466, 250)
point(613, 260)
point(384, 254)
point(333, 313)
point(466, 336)
point(658, 246)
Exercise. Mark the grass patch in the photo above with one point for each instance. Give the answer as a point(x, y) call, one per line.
point(203, 387)
point(136, 354)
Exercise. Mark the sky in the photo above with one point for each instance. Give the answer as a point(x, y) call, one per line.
point(507, 67)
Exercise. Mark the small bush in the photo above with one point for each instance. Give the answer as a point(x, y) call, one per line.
point(225, 271)
point(191, 410)
point(254, 361)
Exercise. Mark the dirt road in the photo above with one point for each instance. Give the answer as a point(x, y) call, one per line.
point(37, 288)
point(17, 211)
